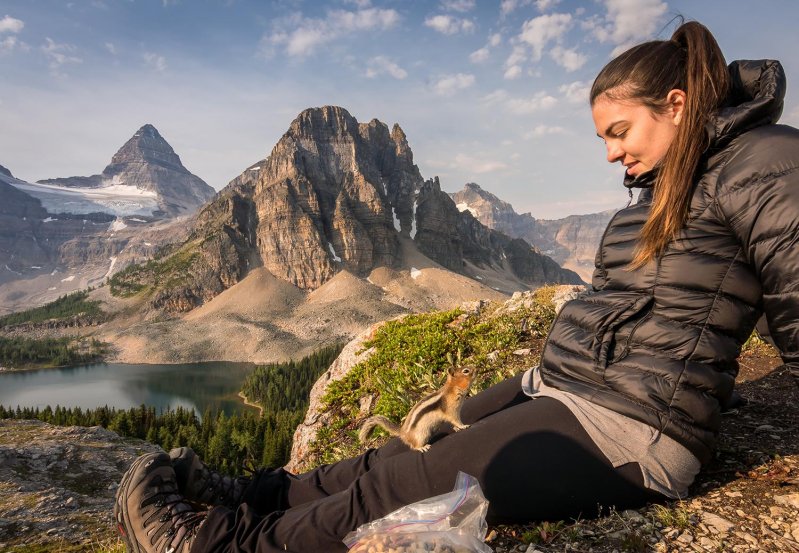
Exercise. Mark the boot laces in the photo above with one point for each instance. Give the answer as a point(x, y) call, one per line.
point(218, 488)
point(177, 522)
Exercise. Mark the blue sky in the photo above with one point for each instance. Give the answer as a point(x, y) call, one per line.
point(487, 91)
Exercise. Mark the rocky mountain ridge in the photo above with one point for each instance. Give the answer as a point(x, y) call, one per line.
point(338, 195)
point(572, 241)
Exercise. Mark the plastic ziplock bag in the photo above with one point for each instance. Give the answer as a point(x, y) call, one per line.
point(453, 522)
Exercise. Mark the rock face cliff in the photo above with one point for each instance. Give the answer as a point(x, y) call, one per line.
point(337, 195)
point(149, 164)
point(571, 241)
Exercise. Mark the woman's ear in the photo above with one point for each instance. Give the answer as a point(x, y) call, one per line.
point(675, 100)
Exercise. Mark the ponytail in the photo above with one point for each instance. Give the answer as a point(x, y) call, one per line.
point(691, 61)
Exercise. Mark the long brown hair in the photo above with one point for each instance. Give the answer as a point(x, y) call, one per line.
point(691, 61)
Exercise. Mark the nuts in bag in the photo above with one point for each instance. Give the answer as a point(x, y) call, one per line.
point(453, 522)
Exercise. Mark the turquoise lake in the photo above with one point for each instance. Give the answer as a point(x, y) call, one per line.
point(194, 386)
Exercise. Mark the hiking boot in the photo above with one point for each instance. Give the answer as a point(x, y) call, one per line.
point(150, 514)
point(200, 484)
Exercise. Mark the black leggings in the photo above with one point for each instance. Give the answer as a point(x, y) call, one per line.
point(532, 458)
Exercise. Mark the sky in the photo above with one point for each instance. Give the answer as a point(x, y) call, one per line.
point(487, 91)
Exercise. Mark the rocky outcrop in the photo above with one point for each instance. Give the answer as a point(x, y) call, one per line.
point(147, 162)
point(571, 241)
point(4, 171)
point(57, 484)
point(316, 417)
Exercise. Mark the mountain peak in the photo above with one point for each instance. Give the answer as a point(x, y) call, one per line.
point(146, 145)
point(149, 131)
point(330, 120)
point(5, 172)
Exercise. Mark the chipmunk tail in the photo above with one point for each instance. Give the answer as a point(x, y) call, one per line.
point(378, 420)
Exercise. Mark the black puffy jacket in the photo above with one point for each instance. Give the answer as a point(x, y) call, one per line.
point(660, 344)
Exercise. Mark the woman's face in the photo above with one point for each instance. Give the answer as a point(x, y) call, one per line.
point(634, 134)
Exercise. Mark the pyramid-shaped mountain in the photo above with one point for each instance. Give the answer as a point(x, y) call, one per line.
point(147, 164)
point(338, 195)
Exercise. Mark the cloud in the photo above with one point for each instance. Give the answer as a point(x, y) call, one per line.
point(155, 61)
point(449, 25)
point(8, 44)
point(495, 97)
point(517, 56)
point(475, 165)
point(450, 84)
point(545, 130)
point(462, 6)
point(576, 92)
point(381, 65)
point(513, 72)
point(627, 22)
point(479, 56)
point(111, 48)
point(10, 25)
point(570, 59)
point(305, 35)
point(508, 6)
point(540, 31)
point(59, 54)
point(526, 106)
point(544, 5)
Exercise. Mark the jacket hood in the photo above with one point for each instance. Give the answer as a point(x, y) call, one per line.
point(756, 98)
point(757, 94)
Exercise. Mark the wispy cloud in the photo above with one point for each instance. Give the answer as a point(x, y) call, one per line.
point(627, 22)
point(507, 7)
point(155, 61)
point(576, 92)
point(450, 84)
point(449, 25)
point(462, 6)
point(305, 35)
point(381, 65)
point(111, 48)
point(11, 25)
point(524, 106)
point(482, 54)
point(544, 5)
point(542, 30)
point(59, 54)
point(570, 59)
point(479, 56)
point(476, 165)
point(545, 130)
point(513, 72)
point(8, 44)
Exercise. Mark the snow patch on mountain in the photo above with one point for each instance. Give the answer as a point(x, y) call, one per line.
point(116, 198)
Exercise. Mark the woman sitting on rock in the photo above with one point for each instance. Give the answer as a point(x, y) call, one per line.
point(626, 404)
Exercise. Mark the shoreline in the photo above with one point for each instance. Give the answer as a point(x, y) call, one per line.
point(250, 404)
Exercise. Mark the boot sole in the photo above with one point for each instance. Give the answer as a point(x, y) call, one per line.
point(121, 517)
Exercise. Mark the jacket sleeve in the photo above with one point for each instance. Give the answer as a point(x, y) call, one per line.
point(759, 199)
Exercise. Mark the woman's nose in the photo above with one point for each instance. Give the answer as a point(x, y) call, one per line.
point(615, 153)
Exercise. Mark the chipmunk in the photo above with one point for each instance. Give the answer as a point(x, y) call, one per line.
point(437, 407)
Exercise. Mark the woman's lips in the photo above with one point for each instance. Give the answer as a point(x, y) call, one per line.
point(630, 167)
